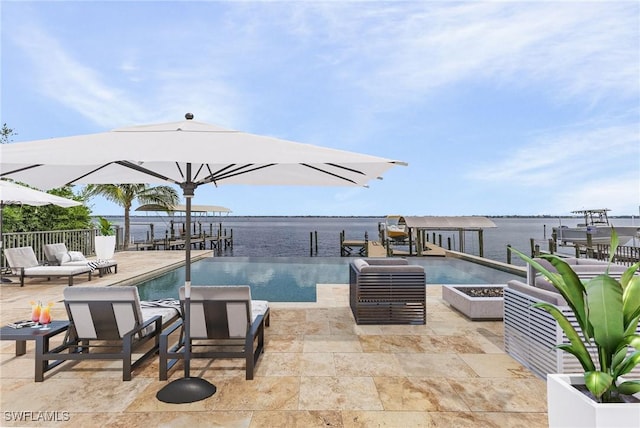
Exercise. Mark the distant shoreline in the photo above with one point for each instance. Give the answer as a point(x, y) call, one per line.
point(355, 216)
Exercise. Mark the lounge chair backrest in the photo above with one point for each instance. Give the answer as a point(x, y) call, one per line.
point(52, 250)
point(104, 313)
point(21, 257)
point(219, 311)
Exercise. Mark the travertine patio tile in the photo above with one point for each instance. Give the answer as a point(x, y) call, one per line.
point(338, 393)
point(368, 364)
point(296, 419)
point(367, 419)
point(419, 394)
point(319, 368)
point(502, 394)
point(496, 366)
point(331, 343)
point(435, 365)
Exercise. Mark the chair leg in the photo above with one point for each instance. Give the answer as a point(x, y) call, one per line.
point(164, 349)
point(126, 359)
point(249, 356)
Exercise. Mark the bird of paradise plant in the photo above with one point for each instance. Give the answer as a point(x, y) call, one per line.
point(608, 312)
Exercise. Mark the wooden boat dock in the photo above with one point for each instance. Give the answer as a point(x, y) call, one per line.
point(216, 243)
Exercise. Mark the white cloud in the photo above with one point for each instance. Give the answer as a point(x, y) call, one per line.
point(396, 52)
point(620, 194)
point(132, 92)
point(61, 77)
point(403, 50)
point(566, 156)
point(590, 167)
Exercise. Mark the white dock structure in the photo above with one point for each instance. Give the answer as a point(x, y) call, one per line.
point(420, 226)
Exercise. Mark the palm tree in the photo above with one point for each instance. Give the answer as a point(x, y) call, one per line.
point(125, 194)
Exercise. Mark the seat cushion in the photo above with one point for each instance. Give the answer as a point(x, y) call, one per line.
point(126, 312)
point(56, 270)
point(21, 257)
point(54, 252)
point(258, 307)
point(236, 309)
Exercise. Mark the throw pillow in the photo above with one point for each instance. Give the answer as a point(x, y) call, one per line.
point(60, 257)
point(77, 256)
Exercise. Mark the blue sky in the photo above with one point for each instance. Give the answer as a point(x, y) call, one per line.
point(498, 107)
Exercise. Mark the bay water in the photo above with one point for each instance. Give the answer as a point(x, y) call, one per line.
point(292, 236)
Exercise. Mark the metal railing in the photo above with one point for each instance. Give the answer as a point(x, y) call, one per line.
point(76, 240)
point(624, 255)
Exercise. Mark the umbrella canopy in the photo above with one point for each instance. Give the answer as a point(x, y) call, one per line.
point(14, 194)
point(188, 154)
point(159, 154)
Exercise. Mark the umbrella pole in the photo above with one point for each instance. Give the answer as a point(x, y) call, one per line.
point(188, 389)
point(2, 278)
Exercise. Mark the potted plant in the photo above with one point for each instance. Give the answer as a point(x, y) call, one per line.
point(607, 312)
point(105, 242)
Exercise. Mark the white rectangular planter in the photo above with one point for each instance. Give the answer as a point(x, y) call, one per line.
point(568, 407)
point(475, 308)
point(105, 247)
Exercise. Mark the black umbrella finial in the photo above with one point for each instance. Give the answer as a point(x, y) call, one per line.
point(188, 116)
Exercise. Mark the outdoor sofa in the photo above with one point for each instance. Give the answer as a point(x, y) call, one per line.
point(585, 269)
point(23, 263)
point(531, 334)
point(387, 291)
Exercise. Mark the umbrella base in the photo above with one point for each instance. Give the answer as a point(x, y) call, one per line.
point(186, 390)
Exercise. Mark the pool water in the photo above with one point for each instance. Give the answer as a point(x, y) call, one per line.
point(294, 279)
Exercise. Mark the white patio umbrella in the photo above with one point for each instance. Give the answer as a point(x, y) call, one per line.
point(188, 154)
point(15, 194)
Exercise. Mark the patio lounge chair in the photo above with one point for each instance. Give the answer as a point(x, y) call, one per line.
point(109, 323)
point(225, 323)
point(59, 255)
point(23, 262)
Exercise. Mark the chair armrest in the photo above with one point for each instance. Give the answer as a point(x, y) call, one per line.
point(256, 324)
point(173, 327)
point(147, 323)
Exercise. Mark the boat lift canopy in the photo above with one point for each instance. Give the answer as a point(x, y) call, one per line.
point(448, 223)
point(419, 225)
point(202, 209)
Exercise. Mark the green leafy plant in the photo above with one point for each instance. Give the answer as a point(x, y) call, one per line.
point(105, 227)
point(608, 312)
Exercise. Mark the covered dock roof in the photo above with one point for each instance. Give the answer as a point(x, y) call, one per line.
point(448, 223)
point(418, 227)
point(183, 208)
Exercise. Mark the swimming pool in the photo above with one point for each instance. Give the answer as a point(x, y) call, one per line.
point(294, 279)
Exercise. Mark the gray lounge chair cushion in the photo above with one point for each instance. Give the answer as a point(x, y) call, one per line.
point(54, 271)
point(54, 252)
point(126, 310)
point(554, 298)
point(57, 254)
point(21, 257)
point(383, 265)
point(236, 311)
point(24, 257)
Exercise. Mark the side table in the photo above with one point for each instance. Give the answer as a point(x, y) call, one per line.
point(106, 268)
point(41, 337)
